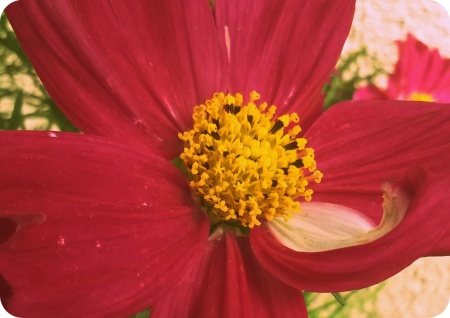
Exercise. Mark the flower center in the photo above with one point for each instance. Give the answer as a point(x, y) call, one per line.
point(244, 166)
point(421, 97)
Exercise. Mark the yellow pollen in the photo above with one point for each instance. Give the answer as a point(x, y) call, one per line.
point(421, 97)
point(243, 163)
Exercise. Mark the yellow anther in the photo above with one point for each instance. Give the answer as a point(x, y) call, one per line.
point(222, 206)
point(308, 194)
point(271, 111)
point(229, 100)
point(211, 128)
point(317, 176)
point(308, 161)
point(254, 96)
point(284, 119)
point(301, 143)
point(294, 131)
point(194, 169)
point(294, 118)
point(239, 99)
point(219, 169)
point(239, 186)
point(244, 164)
point(263, 107)
point(222, 187)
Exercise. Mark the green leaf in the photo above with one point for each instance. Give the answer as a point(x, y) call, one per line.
point(59, 118)
point(179, 163)
point(331, 91)
point(16, 117)
point(143, 314)
point(339, 298)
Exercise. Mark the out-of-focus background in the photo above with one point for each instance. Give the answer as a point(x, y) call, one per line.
point(377, 24)
point(423, 289)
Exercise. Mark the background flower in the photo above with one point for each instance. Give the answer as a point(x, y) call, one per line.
point(420, 74)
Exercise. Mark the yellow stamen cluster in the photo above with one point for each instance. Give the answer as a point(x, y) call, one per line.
point(421, 97)
point(243, 163)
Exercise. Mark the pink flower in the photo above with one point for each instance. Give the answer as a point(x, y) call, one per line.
point(421, 74)
point(103, 225)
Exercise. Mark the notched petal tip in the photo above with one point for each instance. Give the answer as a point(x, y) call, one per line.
point(7, 229)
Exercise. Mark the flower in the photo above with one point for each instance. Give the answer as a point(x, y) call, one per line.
point(421, 74)
point(104, 225)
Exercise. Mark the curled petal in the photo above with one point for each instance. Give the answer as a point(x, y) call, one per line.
point(320, 227)
point(360, 144)
point(324, 226)
point(102, 229)
point(363, 265)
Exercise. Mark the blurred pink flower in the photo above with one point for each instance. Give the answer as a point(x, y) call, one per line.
point(421, 74)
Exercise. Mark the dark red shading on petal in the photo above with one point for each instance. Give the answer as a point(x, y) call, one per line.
point(103, 229)
point(369, 93)
point(131, 72)
point(7, 229)
point(361, 144)
point(5, 292)
point(426, 219)
point(284, 50)
point(231, 283)
point(419, 69)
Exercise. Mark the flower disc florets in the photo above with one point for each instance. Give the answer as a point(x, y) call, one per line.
point(243, 164)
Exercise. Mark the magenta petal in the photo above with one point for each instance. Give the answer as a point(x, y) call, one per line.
point(359, 145)
point(231, 283)
point(369, 93)
point(363, 265)
point(442, 246)
point(132, 72)
point(419, 69)
point(102, 229)
point(285, 50)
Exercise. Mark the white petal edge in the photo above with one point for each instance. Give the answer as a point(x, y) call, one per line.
point(323, 226)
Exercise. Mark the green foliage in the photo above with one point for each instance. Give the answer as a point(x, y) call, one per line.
point(143, 314)
point(339, 298)
point(349, 75)
point(355, 303)
point(179, 163)
point(24, 102)
point(16, 116)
